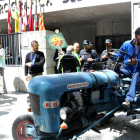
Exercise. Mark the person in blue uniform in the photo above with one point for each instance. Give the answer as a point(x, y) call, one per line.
point(131, 67)
point(87, 57)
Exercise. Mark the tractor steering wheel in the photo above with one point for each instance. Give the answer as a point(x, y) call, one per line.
point(118, 58)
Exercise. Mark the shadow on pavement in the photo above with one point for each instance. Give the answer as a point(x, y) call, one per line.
point(3, 113)
point(6, 100)
point(125, 126)
point(2, 136)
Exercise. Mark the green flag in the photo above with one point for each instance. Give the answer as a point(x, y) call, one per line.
point(56, 41)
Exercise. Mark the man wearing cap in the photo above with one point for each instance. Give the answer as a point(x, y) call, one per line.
point(90, 45)
point(2, 67)
point(132, 67)
point(87, 57)
point(108, 44)
point(109, 63)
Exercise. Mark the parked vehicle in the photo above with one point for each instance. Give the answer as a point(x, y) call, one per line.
point(67, 105)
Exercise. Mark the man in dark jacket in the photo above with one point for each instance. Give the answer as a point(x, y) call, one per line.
point(87, 57)
point(58, 54)
point(109, 64)
point(34, 62)
point(131, 67)
point(69, 62)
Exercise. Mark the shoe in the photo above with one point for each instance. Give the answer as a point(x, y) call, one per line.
point(126, 104)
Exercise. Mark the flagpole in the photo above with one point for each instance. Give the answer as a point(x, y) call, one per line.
point(31, 4)
point(8, 16)
point(35, 16)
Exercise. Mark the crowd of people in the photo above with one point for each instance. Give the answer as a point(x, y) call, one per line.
point(129, 53)
point(70, 61)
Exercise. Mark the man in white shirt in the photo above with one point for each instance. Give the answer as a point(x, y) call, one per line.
point(2, 67)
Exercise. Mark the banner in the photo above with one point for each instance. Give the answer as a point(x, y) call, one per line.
point(56, 41)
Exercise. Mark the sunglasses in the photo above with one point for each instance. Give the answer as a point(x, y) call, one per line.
point(36, 45)
point(85, 44)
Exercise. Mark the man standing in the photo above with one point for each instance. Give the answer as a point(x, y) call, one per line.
point(34, 62)
point(131, 67)
point(108, 44)
point(87, 57)
point(69, 62)
point(76, 48)
point(90, 45)
point(2, 66)
point(109, 63)
point(58, 54)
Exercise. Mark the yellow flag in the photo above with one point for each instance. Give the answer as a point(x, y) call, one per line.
point(41, 22)
point(17, 24)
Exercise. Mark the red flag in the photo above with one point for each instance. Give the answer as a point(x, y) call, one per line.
point(30, 21)
point(24, 20)
point(9, 20)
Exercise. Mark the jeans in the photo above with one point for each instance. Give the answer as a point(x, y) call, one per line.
point(134, 83)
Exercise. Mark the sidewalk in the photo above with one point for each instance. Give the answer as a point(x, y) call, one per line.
point(15, 104)
point(12, 105)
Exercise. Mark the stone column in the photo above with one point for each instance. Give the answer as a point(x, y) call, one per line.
point(26, 38)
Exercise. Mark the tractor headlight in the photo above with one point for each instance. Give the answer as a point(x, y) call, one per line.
point(66, 113)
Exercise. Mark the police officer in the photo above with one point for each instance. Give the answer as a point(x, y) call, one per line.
point(109, 64)
point(87, 57)
point(58, 54)
point(69, 62)
point(90, 45)
point(108, 44)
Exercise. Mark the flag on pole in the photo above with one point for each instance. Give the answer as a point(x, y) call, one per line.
point(35, 18)
point(20, 17)
point(24, 20)
point(41, 22)
point(17, 24)
point(30, 20)
point(9, 20)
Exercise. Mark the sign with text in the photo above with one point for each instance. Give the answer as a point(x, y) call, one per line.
point(56, 41)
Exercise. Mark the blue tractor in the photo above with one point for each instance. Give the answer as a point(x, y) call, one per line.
point(65, 106)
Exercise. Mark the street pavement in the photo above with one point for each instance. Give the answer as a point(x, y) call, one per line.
point(14, 104)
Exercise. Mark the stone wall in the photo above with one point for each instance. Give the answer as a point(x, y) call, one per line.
point(79, 33)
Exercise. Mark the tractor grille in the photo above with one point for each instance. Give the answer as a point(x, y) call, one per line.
point(35, 103)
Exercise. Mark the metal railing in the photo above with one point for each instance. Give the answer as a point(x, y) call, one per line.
point(12, 46)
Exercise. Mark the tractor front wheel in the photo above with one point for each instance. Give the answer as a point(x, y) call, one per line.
point(18, 128)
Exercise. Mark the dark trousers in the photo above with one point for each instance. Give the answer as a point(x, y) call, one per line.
point(2, 74)
point(84, 69)
point(134, 83)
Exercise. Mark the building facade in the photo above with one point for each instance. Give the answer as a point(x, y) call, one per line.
point(77, 20)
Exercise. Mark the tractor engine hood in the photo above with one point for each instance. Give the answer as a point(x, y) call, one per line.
point(49, 88)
